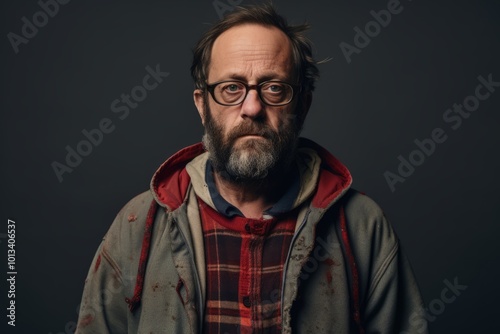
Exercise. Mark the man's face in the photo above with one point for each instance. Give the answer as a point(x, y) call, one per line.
point(251, 140)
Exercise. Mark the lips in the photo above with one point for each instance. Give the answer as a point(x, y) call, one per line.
point(248, 130)
point(252, 134)
point(262, 133)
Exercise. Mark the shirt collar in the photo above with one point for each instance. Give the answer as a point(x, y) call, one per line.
point(284, 204)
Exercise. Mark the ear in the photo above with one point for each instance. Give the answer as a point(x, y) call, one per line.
point(198, 97)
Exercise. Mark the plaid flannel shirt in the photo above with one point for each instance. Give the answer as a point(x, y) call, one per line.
point(245, 260)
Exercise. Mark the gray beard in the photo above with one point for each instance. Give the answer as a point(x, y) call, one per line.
point(256, 159)
point(251, 161)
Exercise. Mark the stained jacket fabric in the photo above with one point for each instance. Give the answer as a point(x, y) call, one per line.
point(345, 271)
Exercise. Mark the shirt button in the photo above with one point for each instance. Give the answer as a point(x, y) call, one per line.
point(247, 228)
point(246, 301)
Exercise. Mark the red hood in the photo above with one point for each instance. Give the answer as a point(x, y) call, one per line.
point(334, 178)
point(170, 182)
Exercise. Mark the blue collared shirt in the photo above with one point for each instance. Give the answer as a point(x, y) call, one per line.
point(284, 204)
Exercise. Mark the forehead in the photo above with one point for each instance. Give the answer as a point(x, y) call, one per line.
point(251, 52)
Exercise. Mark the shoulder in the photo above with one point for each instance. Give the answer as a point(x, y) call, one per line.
point(372, 236)
point(137, 205)
point(365, 217)
point(362, 204)
point(127, 230)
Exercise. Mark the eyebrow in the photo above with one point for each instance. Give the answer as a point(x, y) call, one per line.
point(262, 78)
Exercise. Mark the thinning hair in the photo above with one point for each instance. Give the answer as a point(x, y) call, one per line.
point(304, 64)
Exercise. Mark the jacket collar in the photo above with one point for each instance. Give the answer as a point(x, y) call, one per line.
point(322, 176)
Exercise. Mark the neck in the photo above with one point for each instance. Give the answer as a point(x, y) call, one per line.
point(251, 197)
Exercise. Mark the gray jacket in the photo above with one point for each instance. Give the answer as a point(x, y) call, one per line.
point(345, 272)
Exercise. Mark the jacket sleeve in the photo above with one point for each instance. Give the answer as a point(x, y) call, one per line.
point(394, 304)
point(103, 309)
point(113, 272)
point(391, 300)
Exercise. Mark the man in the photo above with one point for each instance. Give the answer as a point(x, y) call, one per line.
point(255, 230)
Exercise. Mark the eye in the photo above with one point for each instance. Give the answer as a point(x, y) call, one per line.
point(231, 87)
point(229, 92)
point(275, 88)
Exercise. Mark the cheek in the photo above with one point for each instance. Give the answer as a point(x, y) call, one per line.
point(220, 123)
point(226, 118)
point(286, 118)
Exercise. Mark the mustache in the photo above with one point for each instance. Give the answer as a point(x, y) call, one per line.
point(251, 128)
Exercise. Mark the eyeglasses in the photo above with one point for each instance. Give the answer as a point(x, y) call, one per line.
point(272, 93)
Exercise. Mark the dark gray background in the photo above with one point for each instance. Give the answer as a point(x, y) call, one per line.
point(367, 113)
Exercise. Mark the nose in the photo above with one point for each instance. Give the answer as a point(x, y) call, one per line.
point(252, 106)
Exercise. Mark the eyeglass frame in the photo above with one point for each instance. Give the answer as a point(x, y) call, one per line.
point(295, 90)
